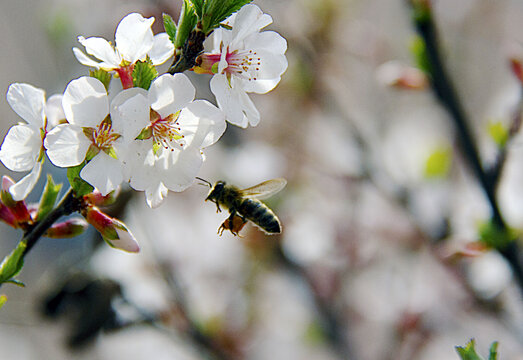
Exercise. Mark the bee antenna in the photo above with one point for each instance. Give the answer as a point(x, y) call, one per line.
point(205, 182)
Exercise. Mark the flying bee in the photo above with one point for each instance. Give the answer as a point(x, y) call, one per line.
point(244, 205)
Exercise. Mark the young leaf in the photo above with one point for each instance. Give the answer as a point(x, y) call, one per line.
point(469, 352)
point(438, 163)
point(170, 27)
point(102, 75)
point(3, 300)
point(144, 73)
point(419, 50)
point(198, 7)
point(12, 263)
point(48, 198)
point(491, 235)
point(186, 24)
point(79, 185)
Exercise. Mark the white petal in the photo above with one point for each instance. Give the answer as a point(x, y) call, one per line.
point(202, 124)
point(155, 195)
point(28, 102)
point(162, 49)
point(249, 109)
point(101, 49)
point(185, 166)
point(66, 145)
point(85, 102)
point(250, 19)
point(130, 112)
point(54, 111)
point(125, 241)
point(21, 148)
point(103, 172)
point(22, 188)
point(84, 59)
point(134, 37)
point(170, 93)
point(228, 100)
point(268, 41)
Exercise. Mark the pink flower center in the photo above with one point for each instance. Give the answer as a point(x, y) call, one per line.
point(166, 131)
point(244, 64)
point(103, 136)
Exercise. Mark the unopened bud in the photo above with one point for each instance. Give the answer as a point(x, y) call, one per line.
point(97, 199)
point(113, 231)
point(17, 209)
point(67, 229)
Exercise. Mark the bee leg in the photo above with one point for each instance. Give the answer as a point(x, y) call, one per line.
point(218, 208)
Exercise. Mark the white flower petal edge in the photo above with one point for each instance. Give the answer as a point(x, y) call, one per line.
point(21, 148)
point(54, 111)
point(22, 188)
point(134, 37)
point(85, 102)
point(171, 93)
point(202, 124)
point(103, 172)
point(155, 194)
point(100, 49)
point(66, 145)
point(162, 49)
point(126, 240)
point(28, 102)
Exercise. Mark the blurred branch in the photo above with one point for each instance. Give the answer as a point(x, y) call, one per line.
point(447, 96)
point(332, 323)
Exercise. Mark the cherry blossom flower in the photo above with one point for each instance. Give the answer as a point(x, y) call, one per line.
point(165, 132)
point(90, 134)
point(244, 60)
point(22, 149)
point(134, 41)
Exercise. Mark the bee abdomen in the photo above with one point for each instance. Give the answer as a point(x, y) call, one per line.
point(260, 214)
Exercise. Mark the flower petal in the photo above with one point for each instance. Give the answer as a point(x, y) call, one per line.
point(134, 37)
point(267, 40)
point(202, 124)
point(249, 19)
point(185, 166)
point(103, 172)
point(162, 49)
point(170, 93)
point(66, 145)
point(28, 102)
point(126, 240)
point(154, 195)
point(130, 112)
point(101, 49)
point(22, 188)
point(21, 148)
point(228, 100)
point(85, 102)
point(84, 59)
point(54, 111)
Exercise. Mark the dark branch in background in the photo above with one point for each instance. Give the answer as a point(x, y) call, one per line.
point(447, 96)
point(331, 321)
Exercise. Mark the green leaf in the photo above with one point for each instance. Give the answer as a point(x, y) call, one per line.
point(3, 300)
point(144, 73)
point(421, 11)
point(438, 163)
point(493, 353)
point(469, 352)
point(215, 11)
point(198, 7)
point(498, 132)
point(186, 24)
point(170, 27)
point(48, 198)
point(79, 185)
point(12, 263)
point(495, 237)
point(419, 51)
point(102, 75)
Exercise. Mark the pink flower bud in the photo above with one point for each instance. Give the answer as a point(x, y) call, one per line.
point(113, 231)
point(401, 76)
point(16, 213)
point(67, 229)
point(97, 199)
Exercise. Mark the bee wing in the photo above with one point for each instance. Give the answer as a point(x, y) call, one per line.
point(265, 189)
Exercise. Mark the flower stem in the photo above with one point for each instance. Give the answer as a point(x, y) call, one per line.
point(448, 98)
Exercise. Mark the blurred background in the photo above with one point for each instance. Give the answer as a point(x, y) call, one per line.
point(378, 214)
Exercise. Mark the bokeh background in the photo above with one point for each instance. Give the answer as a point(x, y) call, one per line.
point(368, 264)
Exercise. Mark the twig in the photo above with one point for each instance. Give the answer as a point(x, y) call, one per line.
point(448, 98)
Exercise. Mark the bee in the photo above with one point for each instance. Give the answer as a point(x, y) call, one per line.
point(245, 205)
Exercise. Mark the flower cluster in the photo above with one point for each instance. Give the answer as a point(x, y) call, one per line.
point(151, 131)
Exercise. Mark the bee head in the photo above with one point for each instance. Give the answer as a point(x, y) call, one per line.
point(216, 190)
